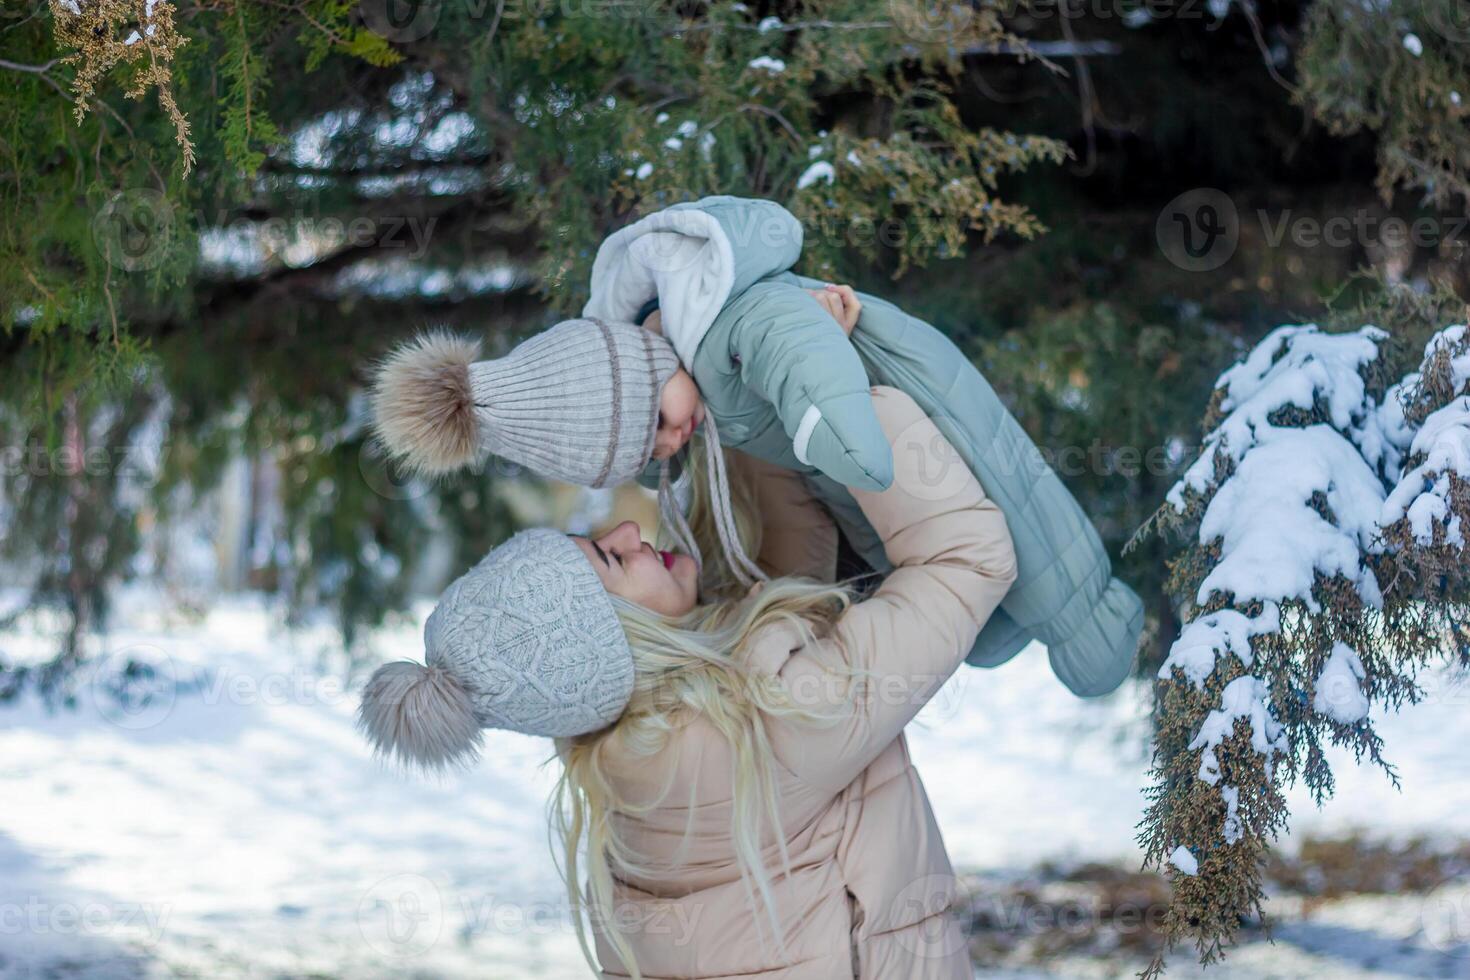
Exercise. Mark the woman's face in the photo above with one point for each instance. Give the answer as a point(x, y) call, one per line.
point(659, 581)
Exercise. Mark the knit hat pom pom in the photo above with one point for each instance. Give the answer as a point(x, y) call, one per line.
point(422, 404)
point(419, 716)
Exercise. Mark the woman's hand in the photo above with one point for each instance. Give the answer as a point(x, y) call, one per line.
point(842, 303)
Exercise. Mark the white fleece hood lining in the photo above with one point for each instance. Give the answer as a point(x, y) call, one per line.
point(683, 257)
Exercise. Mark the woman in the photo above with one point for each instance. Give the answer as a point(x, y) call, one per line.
point(735, 774)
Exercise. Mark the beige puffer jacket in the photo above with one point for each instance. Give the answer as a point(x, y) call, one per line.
point(870, 879)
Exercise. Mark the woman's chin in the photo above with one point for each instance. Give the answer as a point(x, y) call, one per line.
point(685, 572)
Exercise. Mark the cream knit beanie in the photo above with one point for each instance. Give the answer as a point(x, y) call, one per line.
point(577, 403)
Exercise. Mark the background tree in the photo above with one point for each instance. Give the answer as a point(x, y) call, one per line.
point(1321, 568)
point(290, 186)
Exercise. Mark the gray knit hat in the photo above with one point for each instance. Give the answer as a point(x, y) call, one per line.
point(578, 402)
point(527, 640)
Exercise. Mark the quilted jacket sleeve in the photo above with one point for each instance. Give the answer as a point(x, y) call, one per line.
point(795, 357)
point(953, 563)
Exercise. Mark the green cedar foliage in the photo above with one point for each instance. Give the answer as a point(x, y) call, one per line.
point(1292, 669)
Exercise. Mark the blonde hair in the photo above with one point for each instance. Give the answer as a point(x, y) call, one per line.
point(685, 667)
point(717, 575)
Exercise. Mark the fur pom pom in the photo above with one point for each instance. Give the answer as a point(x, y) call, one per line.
point(423, 408)
point(419, 716)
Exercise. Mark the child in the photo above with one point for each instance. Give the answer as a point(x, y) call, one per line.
point(780, 382)
point(787, 388)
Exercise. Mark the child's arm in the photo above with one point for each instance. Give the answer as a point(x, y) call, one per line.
point(792, 353)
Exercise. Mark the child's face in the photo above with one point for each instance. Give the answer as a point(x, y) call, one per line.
point(680, 412)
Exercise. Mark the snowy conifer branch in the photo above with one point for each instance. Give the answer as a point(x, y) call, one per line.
point(1309, 590)
point(1426, 515)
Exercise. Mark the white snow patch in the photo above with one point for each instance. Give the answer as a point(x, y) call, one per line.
point(1204, 640)
point(1441, 445)
point(1293, 366)
point(1422, 495)
point(819, 171)
point(1339, 689)
point(1384, 434)
point(1413, 45)
point(766, 63)
point(1184, 861)
point(1231, 831)
point(1244, 697)
point(1447, 340)
point(1272, 544)
point(259, 825)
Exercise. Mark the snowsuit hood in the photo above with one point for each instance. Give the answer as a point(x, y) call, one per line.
point(693, 257)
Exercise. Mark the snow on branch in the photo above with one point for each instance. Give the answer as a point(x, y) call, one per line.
point(1430, 497)
point(1327, 505)
point(1295, 368)
point(1426, 516)
point(1302, 504)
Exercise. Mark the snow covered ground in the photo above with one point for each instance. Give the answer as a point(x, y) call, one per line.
point(242, 829)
